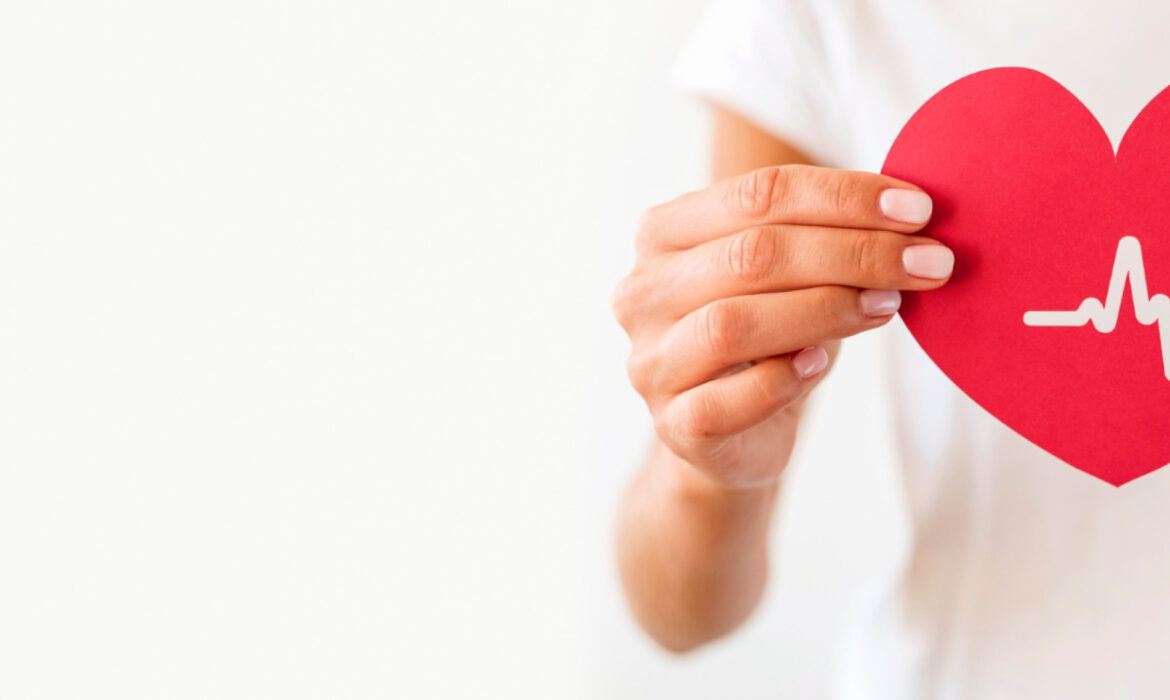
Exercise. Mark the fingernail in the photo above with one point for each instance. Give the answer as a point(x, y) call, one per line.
point(907, 206)
point(810, 361)
point(930, 261)
point(880, 302)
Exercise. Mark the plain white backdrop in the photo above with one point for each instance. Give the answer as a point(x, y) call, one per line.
point(308, 385)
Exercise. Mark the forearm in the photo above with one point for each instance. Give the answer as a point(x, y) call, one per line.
point(692, 553)
point(731, 325)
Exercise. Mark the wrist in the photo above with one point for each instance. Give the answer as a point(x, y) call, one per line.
point(690, 482)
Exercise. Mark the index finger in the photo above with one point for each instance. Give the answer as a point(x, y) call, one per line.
point(786, 194)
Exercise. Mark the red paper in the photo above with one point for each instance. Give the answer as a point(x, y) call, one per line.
point(1042, 217)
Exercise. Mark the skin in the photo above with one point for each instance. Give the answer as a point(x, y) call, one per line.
point(736, 289)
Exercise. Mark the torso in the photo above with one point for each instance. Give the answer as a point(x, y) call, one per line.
point(1025, 578)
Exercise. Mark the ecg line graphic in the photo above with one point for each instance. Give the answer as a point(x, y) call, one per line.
point(1149, 310)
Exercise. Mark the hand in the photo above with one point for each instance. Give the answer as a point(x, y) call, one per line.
point(740, 295)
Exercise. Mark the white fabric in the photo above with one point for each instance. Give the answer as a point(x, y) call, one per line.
point(1025, 578)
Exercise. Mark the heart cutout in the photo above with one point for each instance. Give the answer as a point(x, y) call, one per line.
point(1044, 219)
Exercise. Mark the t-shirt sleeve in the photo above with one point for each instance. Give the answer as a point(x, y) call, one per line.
point(765, 60)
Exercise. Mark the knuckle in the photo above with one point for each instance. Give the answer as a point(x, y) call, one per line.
point(757, 193)
point(623, 300)
point(691, 421)
point(640, 368)
point(690, 427)
point(865, 255)
point(648, 227)
point(842, 193)
point(752, 255)
point(719, 327)
point(836, 305)
point(789, 389)
point(772, 388)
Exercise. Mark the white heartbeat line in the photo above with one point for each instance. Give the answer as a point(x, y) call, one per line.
point(1148, 310)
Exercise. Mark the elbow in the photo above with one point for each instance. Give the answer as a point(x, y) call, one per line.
point(681, 633)
point(684, 614)
point(680, 644)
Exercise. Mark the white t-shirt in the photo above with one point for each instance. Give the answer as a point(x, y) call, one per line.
point(1025, 578)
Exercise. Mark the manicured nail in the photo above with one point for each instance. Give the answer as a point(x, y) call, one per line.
point(907, 206)
point(880, 302)
point(810, 361)
point(930, 261)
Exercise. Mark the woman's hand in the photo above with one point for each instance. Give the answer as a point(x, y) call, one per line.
point(741, 292)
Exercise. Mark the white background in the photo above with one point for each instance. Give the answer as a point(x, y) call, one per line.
point(308, 385)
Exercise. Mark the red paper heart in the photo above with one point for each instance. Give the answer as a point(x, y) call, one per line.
point(1029, 195)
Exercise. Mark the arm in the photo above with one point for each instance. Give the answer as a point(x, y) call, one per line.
point(693, 554)
point(735, 310)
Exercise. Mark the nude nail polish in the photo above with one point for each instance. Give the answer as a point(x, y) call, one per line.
point(906, 206)
point(928, 261)
point(810, 361)
point(880, 302)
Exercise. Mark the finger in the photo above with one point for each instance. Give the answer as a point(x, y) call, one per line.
point(780, 258)
point(786, 194)
point(736, 402)
point(728, 332)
